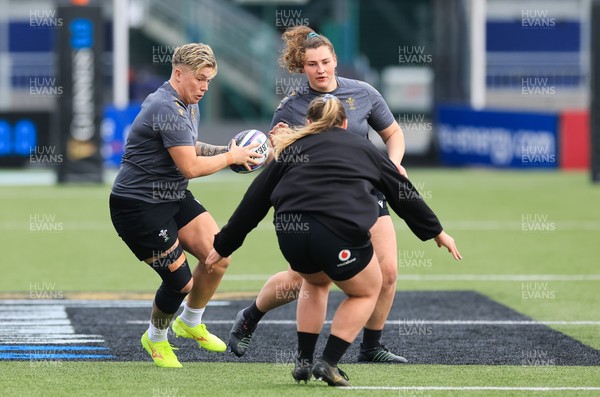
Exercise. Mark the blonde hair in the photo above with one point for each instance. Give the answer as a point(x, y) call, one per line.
point(324, 112)
point(195, 56)
point(297, 40)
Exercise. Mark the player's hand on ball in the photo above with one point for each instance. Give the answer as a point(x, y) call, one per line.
point(445, 240)
point(244, 156)
point(212, 258)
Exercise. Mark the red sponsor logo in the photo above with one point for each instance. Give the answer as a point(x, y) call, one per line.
point(344, 255)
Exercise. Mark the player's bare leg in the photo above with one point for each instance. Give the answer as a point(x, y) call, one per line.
point(310, 315)
point(362, 291)
point(383, 237)
point(281, 288)
point(312, 303)
point(350, 317)
point(197, 238)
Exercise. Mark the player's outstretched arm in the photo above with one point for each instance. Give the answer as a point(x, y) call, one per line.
point(445, 240)
point(192, 166)
point(206, 149)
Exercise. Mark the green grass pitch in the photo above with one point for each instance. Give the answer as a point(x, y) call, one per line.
point(505, 223)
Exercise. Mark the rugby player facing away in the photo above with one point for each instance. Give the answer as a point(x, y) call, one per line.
point(155, 214)
point(321, 187)
point(313, 55)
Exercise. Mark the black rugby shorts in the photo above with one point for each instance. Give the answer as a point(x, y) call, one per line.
point(150, 228)
point(310, 247)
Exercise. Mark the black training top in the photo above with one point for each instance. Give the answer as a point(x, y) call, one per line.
point(330, 175)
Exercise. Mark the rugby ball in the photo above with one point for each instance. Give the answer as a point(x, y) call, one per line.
point(246, 138)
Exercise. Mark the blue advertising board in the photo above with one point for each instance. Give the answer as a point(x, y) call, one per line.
point(25, 138)
point(115, 127)
point(496, 138)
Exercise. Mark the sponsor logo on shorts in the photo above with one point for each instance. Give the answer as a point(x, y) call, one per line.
point(380, 202)
point(345, 256)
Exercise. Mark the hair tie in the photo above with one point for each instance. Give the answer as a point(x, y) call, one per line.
point(327, 97)
point(311, 35)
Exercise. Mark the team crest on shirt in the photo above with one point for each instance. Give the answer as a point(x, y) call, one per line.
point(179, 108)
point(164, 234)
point(350, 101)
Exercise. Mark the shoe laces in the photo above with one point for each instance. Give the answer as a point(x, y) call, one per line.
point(343, 374)
point(164, 346)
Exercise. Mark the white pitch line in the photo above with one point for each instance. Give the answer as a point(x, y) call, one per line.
point(34, 323)
point(491, 322)
point(491, 225)
point(38, 341)
point(23, 305)
point(19, 330)
point(29, 322)
point(46, 315)
point(474, 388)
point(267, 225)
point(57, 336)
point(14, 304)
point(416, 323)
point(54, 339)
point(452, 277)
point(498, 277)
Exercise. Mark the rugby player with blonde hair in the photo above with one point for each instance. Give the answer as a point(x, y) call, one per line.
point(157, 216)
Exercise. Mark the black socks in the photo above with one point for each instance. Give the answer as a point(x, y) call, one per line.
point(252, 314)
point(334, 350)
point(306, 346)
point(371, 339)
